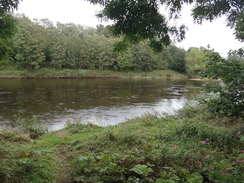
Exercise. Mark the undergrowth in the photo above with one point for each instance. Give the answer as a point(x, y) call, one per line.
point(22, 161)
point(193, 146)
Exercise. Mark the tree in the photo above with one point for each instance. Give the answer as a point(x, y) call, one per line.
point(124, 61)
point(143, 59)
point(176, 59)
point(8, 5)
point(73, 46)
point(49, 28)
point(194, 61)
point(138, 20)
point(29, 43)
point(7, 26)
point(228, 98)
point(233, 9)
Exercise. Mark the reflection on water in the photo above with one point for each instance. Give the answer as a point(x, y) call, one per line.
point(103, 102)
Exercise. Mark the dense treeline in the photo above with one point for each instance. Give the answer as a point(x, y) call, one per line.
point(41, 44)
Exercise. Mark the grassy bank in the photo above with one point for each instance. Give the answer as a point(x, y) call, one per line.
point(193, 147)
point(68, 73)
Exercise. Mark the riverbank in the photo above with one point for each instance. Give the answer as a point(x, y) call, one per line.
point(12, 73)
point(192, 146)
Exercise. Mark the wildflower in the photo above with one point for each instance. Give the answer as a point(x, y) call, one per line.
point(230, 168)
point(200, 165)
point(212, 168)
point(206, 141)
point(238, 160)
point(203, 142)
point(223, 174)
point(238, 133)
point(207, 156)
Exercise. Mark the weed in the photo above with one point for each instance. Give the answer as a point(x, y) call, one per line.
point(219, 137)
point(20, 163)
point(76, 128)
point(190, 147)
point(31, 126)
point(13, 135)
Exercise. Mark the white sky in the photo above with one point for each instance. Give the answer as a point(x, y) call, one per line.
point(215, 33)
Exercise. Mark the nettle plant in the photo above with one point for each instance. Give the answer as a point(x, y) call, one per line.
point(228, 95)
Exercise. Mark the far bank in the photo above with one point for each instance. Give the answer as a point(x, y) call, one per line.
point(12, 73)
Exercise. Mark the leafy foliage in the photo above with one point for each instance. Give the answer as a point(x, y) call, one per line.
point(209, 10)
point(7, 5)
point(143, 59)
point(194, 61)
point(142, 170)
point(140, 20)
point(41, 44)
point(176, 59)
point(22, 164)
point(30, 44)
point(136, 21)
point(230, 94)
point(7, 27)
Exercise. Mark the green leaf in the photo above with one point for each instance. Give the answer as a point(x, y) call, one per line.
point(195, 179)
point(242, 138)
point(141, 170)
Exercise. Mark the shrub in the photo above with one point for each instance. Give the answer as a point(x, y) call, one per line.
point(229, 94)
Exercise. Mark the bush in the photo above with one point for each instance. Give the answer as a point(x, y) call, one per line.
point(229, 95)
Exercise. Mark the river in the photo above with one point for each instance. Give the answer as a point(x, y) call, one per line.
point(100, 101)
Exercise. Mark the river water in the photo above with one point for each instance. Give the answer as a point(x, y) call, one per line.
point(100, 101)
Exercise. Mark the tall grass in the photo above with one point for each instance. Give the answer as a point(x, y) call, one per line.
point(12, 72)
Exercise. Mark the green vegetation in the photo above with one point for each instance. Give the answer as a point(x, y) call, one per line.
point(70, 73)
point(7, 27)
point(193, 146)
point(142, 20)
point(194, 61)
point(227, 98)
point(40, 44)
point(135, 21)
point(31, 126)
